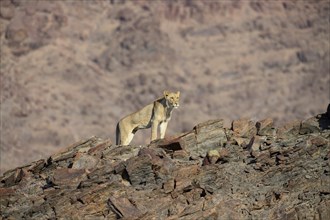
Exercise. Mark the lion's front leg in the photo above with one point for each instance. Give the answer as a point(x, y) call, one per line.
point(163, 127)
point(154, 128)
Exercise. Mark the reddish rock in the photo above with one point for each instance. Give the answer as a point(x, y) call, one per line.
point(244, 128)
point(169, 185)
point(6, 191)
point(183, 176)
point(320, 141)
point(124, 208)
point(68, 177)
point(98, 149)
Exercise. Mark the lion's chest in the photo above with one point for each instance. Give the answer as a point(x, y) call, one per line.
point(162, 114)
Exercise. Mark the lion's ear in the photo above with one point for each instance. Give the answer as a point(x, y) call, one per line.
point(178, 92)
point(166, 93)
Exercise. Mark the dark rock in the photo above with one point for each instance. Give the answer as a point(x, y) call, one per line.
point(148, 169)
point(324, 119)
point(209, 135)
point(140, 173)
point(169, 145)
point(188, 143)
point(84, 162)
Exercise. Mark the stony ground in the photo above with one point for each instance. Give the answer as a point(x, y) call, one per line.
point(249, 171)
point(72, 69)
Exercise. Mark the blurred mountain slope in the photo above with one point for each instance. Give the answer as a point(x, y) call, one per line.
point(72, 69)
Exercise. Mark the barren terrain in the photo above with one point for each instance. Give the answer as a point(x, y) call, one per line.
point(71, 70)
point(250, 171)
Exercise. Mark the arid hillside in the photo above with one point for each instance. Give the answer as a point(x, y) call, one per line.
point(71, 70)
point(253, 170)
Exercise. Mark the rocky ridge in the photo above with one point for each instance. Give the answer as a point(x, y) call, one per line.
point(249, 171)
point(71, 69)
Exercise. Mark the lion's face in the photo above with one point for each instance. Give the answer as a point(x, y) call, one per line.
point(172, 98)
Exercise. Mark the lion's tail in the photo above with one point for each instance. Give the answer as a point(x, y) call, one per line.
point(117, 134)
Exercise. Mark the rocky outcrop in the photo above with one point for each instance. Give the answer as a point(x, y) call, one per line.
point(249, 171)
point(62, 61)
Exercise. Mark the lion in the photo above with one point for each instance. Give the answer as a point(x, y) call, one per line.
point(153, 115)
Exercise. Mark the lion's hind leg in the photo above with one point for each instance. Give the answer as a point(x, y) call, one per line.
point(126, 134)
point(128, 138)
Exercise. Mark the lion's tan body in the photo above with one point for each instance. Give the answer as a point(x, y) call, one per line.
point(153, 115)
